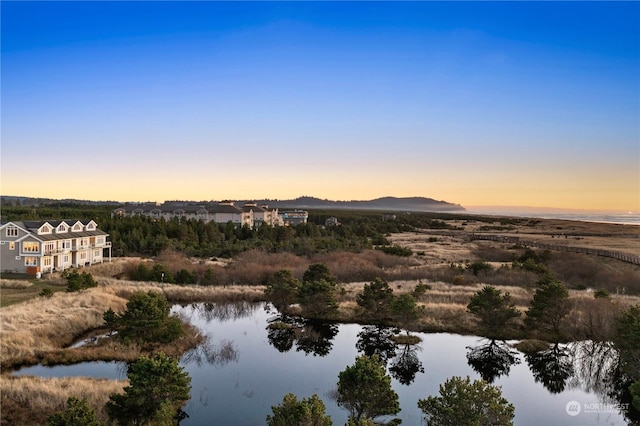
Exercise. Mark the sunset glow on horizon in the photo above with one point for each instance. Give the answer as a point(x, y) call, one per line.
point(479, 104)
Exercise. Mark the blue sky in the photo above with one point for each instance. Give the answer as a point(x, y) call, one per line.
point(501, 103)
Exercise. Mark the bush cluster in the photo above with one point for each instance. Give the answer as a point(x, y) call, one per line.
point(79, 281)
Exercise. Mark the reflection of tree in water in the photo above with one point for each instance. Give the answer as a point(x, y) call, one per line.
point(621, 394)
point(552, 367)
point(310, 336)
point(492, 359)
point(281, 333)
point(223, 312)
point(377, 340)
point(593, 365)
point(406, 365)
point(212, 354)
point(316, 337)
point(597, 369)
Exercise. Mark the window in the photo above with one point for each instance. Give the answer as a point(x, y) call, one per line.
point(66, 244)
point(30, 247)
point(62, 228)
point(12, 245)
point(83, 256)
point(30, 261)
point(66, 258)
point(12, 231)
point(96, 253)
point(100, 240)
point(77, 227)
point(91, 226)
point(44, 229)
point(48, 247)
point(46, 261)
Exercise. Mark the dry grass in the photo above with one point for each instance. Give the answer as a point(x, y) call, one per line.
point(189, 294)
point(46, 324)
point(15, 284)
point(444, 309)
point(28, 400)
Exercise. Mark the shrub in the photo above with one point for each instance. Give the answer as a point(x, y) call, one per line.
point(77, 413)
point(77, 282)
point(46, 292)
point(601, 294)
point(308, 412)
point(478, 266)
point(183, 276)
point(396, 250)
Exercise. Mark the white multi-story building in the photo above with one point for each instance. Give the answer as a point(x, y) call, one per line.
point(224, 212)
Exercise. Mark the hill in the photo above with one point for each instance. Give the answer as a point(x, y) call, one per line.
point(392, 204)
point(413, 204)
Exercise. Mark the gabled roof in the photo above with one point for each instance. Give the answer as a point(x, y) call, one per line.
point(31, 227)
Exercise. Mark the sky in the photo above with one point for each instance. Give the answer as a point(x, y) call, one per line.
point(475, 103)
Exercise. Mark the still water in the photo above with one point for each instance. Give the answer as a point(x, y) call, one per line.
point(245, 368)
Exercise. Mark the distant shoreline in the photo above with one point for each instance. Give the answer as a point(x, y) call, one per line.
point(614, 218)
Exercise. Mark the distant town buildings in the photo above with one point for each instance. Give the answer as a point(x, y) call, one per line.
point(34, 247)
point(295, 217)
point(331, 221)
point(249, 214)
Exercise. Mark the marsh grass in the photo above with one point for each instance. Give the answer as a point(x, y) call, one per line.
point(45, 324)
point(406, 339)
point(28, 400)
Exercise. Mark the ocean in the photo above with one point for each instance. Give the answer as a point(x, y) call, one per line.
point(620, 218)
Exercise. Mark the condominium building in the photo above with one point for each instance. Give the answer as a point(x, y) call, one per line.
point(34, 247)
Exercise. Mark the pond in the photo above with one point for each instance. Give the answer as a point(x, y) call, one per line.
point(245, 368)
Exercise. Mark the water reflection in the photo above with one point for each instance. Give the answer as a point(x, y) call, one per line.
point(377, 340)
point(593, 365)
point(223, 312)
point(552, 367)
point(213, 354)
point(406, 365)
point(492, 359)
point(310, 336)
point(250, 366)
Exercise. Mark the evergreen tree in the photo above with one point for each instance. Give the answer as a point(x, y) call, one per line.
point(365, 390)
point(282, 289)
point(77, 413)
point(317, 272)
point(493, 309)
point(550, 305)
point(308, 412)
point(462, 402)
point(318, 298)
point(146, 319)
point(158, 388)
point(404, 310)
point(376, 299)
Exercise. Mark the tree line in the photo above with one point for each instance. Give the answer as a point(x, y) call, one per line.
point(140, 235)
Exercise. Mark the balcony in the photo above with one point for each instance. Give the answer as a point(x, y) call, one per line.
point(49, 252)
